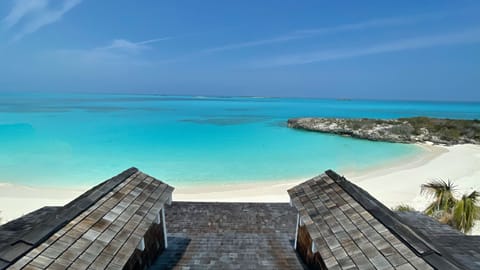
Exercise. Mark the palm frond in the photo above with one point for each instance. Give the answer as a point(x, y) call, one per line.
point(466, 211)
point(475, 196)
point(433, 187)
point(443, 194)
point(431, 209)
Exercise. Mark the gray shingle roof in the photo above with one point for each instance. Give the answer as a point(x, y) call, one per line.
point(105, 222)
point(350, 228)
point(229, 236)
point(463, 249)
point(10, 231)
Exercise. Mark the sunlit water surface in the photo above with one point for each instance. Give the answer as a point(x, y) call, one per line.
point(77, 140)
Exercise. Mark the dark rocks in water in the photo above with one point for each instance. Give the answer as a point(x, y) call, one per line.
point(402, 130)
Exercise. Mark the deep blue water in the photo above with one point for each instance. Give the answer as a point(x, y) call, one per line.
point(79, 139)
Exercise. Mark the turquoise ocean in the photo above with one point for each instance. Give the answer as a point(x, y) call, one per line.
point(78, 140)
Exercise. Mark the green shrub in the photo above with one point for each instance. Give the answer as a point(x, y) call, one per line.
point(404, 208)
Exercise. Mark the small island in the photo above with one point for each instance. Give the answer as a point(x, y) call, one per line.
point(401, 130)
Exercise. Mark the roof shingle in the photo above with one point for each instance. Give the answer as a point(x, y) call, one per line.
point(106, 222)
point(464, 249)
point(350, 228)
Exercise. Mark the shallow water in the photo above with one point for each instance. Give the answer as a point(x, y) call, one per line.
point(78, 140)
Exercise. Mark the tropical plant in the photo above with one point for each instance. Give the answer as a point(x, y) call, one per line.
point(466, 211)
point(460, 214)
point(443, 194)
point(404, 208)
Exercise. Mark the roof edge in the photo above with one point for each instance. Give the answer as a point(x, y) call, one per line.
point(82, 202)
point(59, 219)
point(395, 225)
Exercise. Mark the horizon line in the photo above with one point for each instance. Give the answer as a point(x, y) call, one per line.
point(151, 93)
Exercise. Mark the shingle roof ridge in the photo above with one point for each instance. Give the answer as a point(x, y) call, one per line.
point(408, 235)
point(26, 241)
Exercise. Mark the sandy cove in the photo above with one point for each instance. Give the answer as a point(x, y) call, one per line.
point(392, 183)
point(395, 183)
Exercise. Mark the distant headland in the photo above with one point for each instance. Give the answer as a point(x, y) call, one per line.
point(401, 130)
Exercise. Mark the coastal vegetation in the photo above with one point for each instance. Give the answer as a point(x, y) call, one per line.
point(404, 208)
point(458, 213)
point(401, 130)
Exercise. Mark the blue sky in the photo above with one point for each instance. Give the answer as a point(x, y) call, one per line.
point(426, 50)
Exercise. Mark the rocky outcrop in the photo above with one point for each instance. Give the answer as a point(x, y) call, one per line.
point(402, 130)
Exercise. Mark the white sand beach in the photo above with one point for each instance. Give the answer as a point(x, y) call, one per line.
point(393, 184)
point(16, 200)
point(401, 182)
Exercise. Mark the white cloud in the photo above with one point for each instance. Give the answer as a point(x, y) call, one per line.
point(468, 36)
point(308, 33)
point(30, 15)
point(22, 8)
point(129, 46)
point(119, 50)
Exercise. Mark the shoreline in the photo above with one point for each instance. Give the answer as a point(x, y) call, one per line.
point(460, 163)
point(429, 153)
point(410, 130)
point(277, 191)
